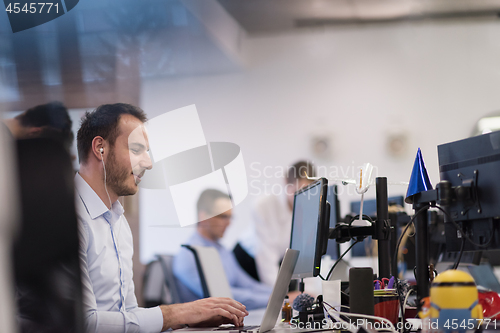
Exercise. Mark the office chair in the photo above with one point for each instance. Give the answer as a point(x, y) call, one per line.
point(160, 286)
point(246, 261)
point(46, 261)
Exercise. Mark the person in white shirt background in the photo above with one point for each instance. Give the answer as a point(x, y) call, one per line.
point(112, 162)
point(272, 223)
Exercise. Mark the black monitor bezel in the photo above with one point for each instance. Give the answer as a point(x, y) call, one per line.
point(333, 219)
point(322, 228)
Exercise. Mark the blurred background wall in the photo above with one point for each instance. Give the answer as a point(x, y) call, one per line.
point(372, 93)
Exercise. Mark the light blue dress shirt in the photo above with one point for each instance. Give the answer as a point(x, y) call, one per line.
point(106, 250)
point(245, 289)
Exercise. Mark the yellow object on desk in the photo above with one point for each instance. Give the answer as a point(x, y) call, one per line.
point(454, 302)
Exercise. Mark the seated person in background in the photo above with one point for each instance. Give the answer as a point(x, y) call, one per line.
point(269, 235)
point(209, 231)
point(49, 120)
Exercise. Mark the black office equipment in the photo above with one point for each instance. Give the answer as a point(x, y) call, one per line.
point(469, 194)
point(332, 198)
point(472, 169)
point(370, 209)
point(310, 224)
point(361, 290)
point(381, 229)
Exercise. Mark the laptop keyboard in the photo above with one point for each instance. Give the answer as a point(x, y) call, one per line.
point(241, 329)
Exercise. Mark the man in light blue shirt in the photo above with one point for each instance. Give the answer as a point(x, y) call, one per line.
point(113, 152)
point(208, 232)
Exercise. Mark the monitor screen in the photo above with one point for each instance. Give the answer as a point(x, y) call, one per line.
point(309, 225)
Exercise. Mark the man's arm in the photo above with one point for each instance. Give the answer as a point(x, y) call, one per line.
point(212, 311)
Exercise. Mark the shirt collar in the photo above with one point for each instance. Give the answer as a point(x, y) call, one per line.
point(205, 241)
point(91, 200)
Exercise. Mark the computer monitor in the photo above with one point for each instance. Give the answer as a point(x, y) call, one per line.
point(333, 247)
point(309, 228)
point(472, 167)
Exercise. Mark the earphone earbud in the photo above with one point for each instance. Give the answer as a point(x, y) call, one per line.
point(101, 150)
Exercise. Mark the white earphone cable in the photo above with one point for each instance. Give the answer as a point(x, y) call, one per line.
point(105, 186)
point(116, 238)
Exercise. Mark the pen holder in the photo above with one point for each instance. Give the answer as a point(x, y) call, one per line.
point(387, 304)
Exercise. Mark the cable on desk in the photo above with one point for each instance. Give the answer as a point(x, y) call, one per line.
point(387, 322)
point(457, 262)
point(406, 300)
point(340, 258)
point(403, 233)
point(396, 261)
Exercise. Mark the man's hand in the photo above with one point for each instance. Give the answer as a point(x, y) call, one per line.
point(212, 311)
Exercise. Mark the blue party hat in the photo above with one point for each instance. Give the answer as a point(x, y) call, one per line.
point(419, 180)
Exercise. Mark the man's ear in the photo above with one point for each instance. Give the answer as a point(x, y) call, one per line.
point(99, 148)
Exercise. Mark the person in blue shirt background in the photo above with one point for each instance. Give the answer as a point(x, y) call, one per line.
point(208, 232)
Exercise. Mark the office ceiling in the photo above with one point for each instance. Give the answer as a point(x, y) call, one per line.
point(274, 16)
point(100, 51)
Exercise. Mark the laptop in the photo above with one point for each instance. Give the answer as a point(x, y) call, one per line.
point(275, 300)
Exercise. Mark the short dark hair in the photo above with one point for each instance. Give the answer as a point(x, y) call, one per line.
point(207, 200)
point(300, 170)
point(54, 119)
point(103, 121)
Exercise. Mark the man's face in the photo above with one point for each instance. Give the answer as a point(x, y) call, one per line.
point(128, 159)
point(215, 226)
